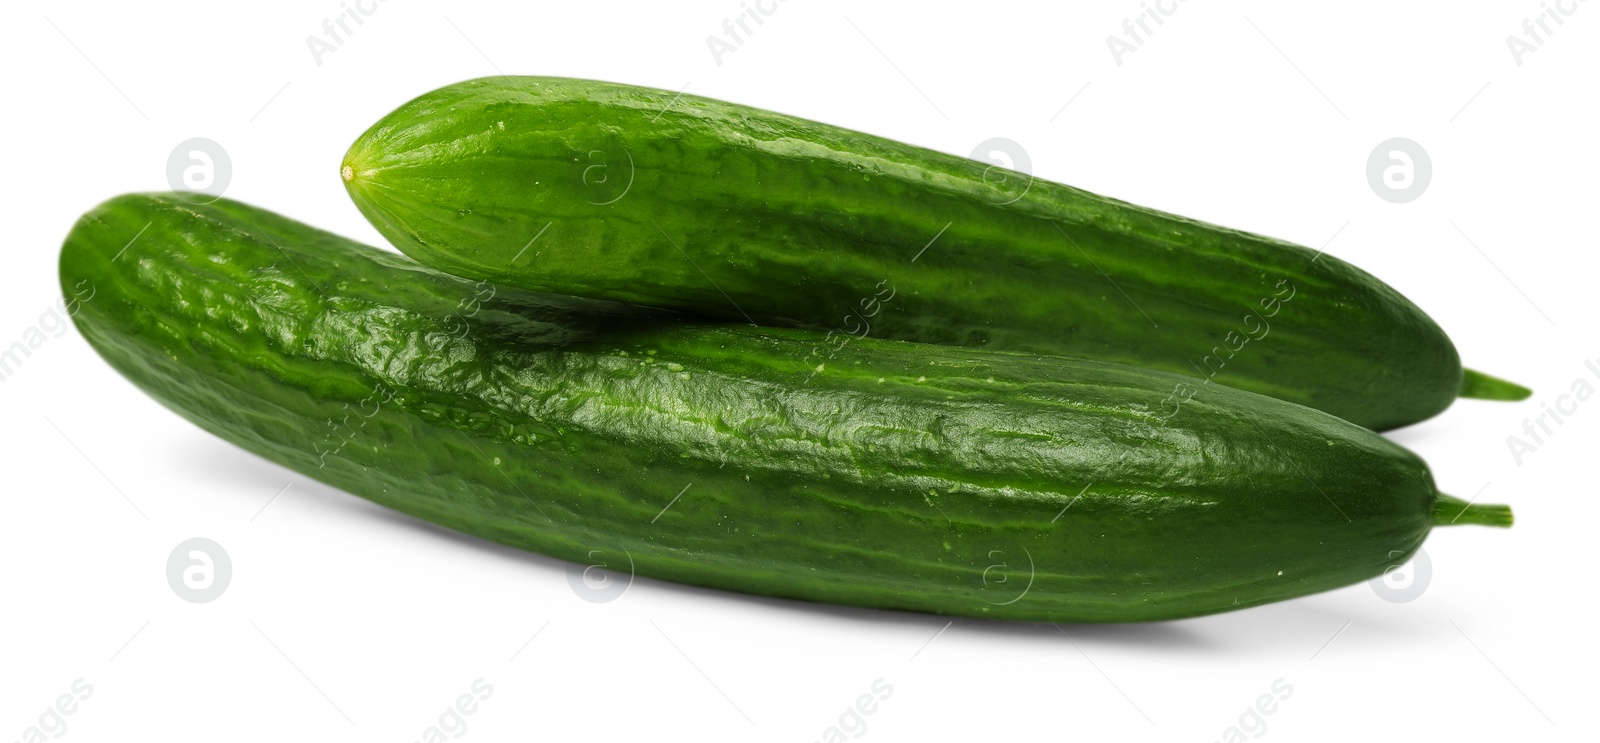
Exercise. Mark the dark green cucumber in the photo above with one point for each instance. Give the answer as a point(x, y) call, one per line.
point(671, 200)
point(908, 477)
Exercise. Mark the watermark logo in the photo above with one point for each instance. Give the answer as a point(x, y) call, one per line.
point(1404, 582)
point(1008, 578)
point(599, 581)
point(452, 721)
point(199, 570)
point(1172, 404)
point(52, 323)
point(1136, 31)
point(605, 185)
point(336, 31)
point(1252, 723)
point(199, 168)
point(857, 324)
point(1539, 430)
point(852, 722)
point(1003, 172)
point(52, 723)
point(1253, 327)
point(736, 31)
point(468, 308)
point(345, 430)
point(1536, 31)
point(1398, 170)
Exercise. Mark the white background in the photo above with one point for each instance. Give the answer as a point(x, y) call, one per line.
point(346, 622)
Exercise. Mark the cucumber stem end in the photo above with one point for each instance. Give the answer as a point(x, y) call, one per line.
point(1452, 511)
point(1479, 386)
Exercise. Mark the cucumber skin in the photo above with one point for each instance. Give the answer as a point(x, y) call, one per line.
point(755, 216)
point(903, 493)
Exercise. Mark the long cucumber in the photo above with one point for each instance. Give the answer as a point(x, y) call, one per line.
point(911, 477)
point(673, 200)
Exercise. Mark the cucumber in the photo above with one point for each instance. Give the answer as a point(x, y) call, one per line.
point(911, 477)
point(659, 198)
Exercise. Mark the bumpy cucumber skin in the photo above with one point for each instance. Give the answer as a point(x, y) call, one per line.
point(911, 477)
point(647, 196)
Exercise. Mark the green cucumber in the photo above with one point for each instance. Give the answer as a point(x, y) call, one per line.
point(911, 477)
point(672, 200)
